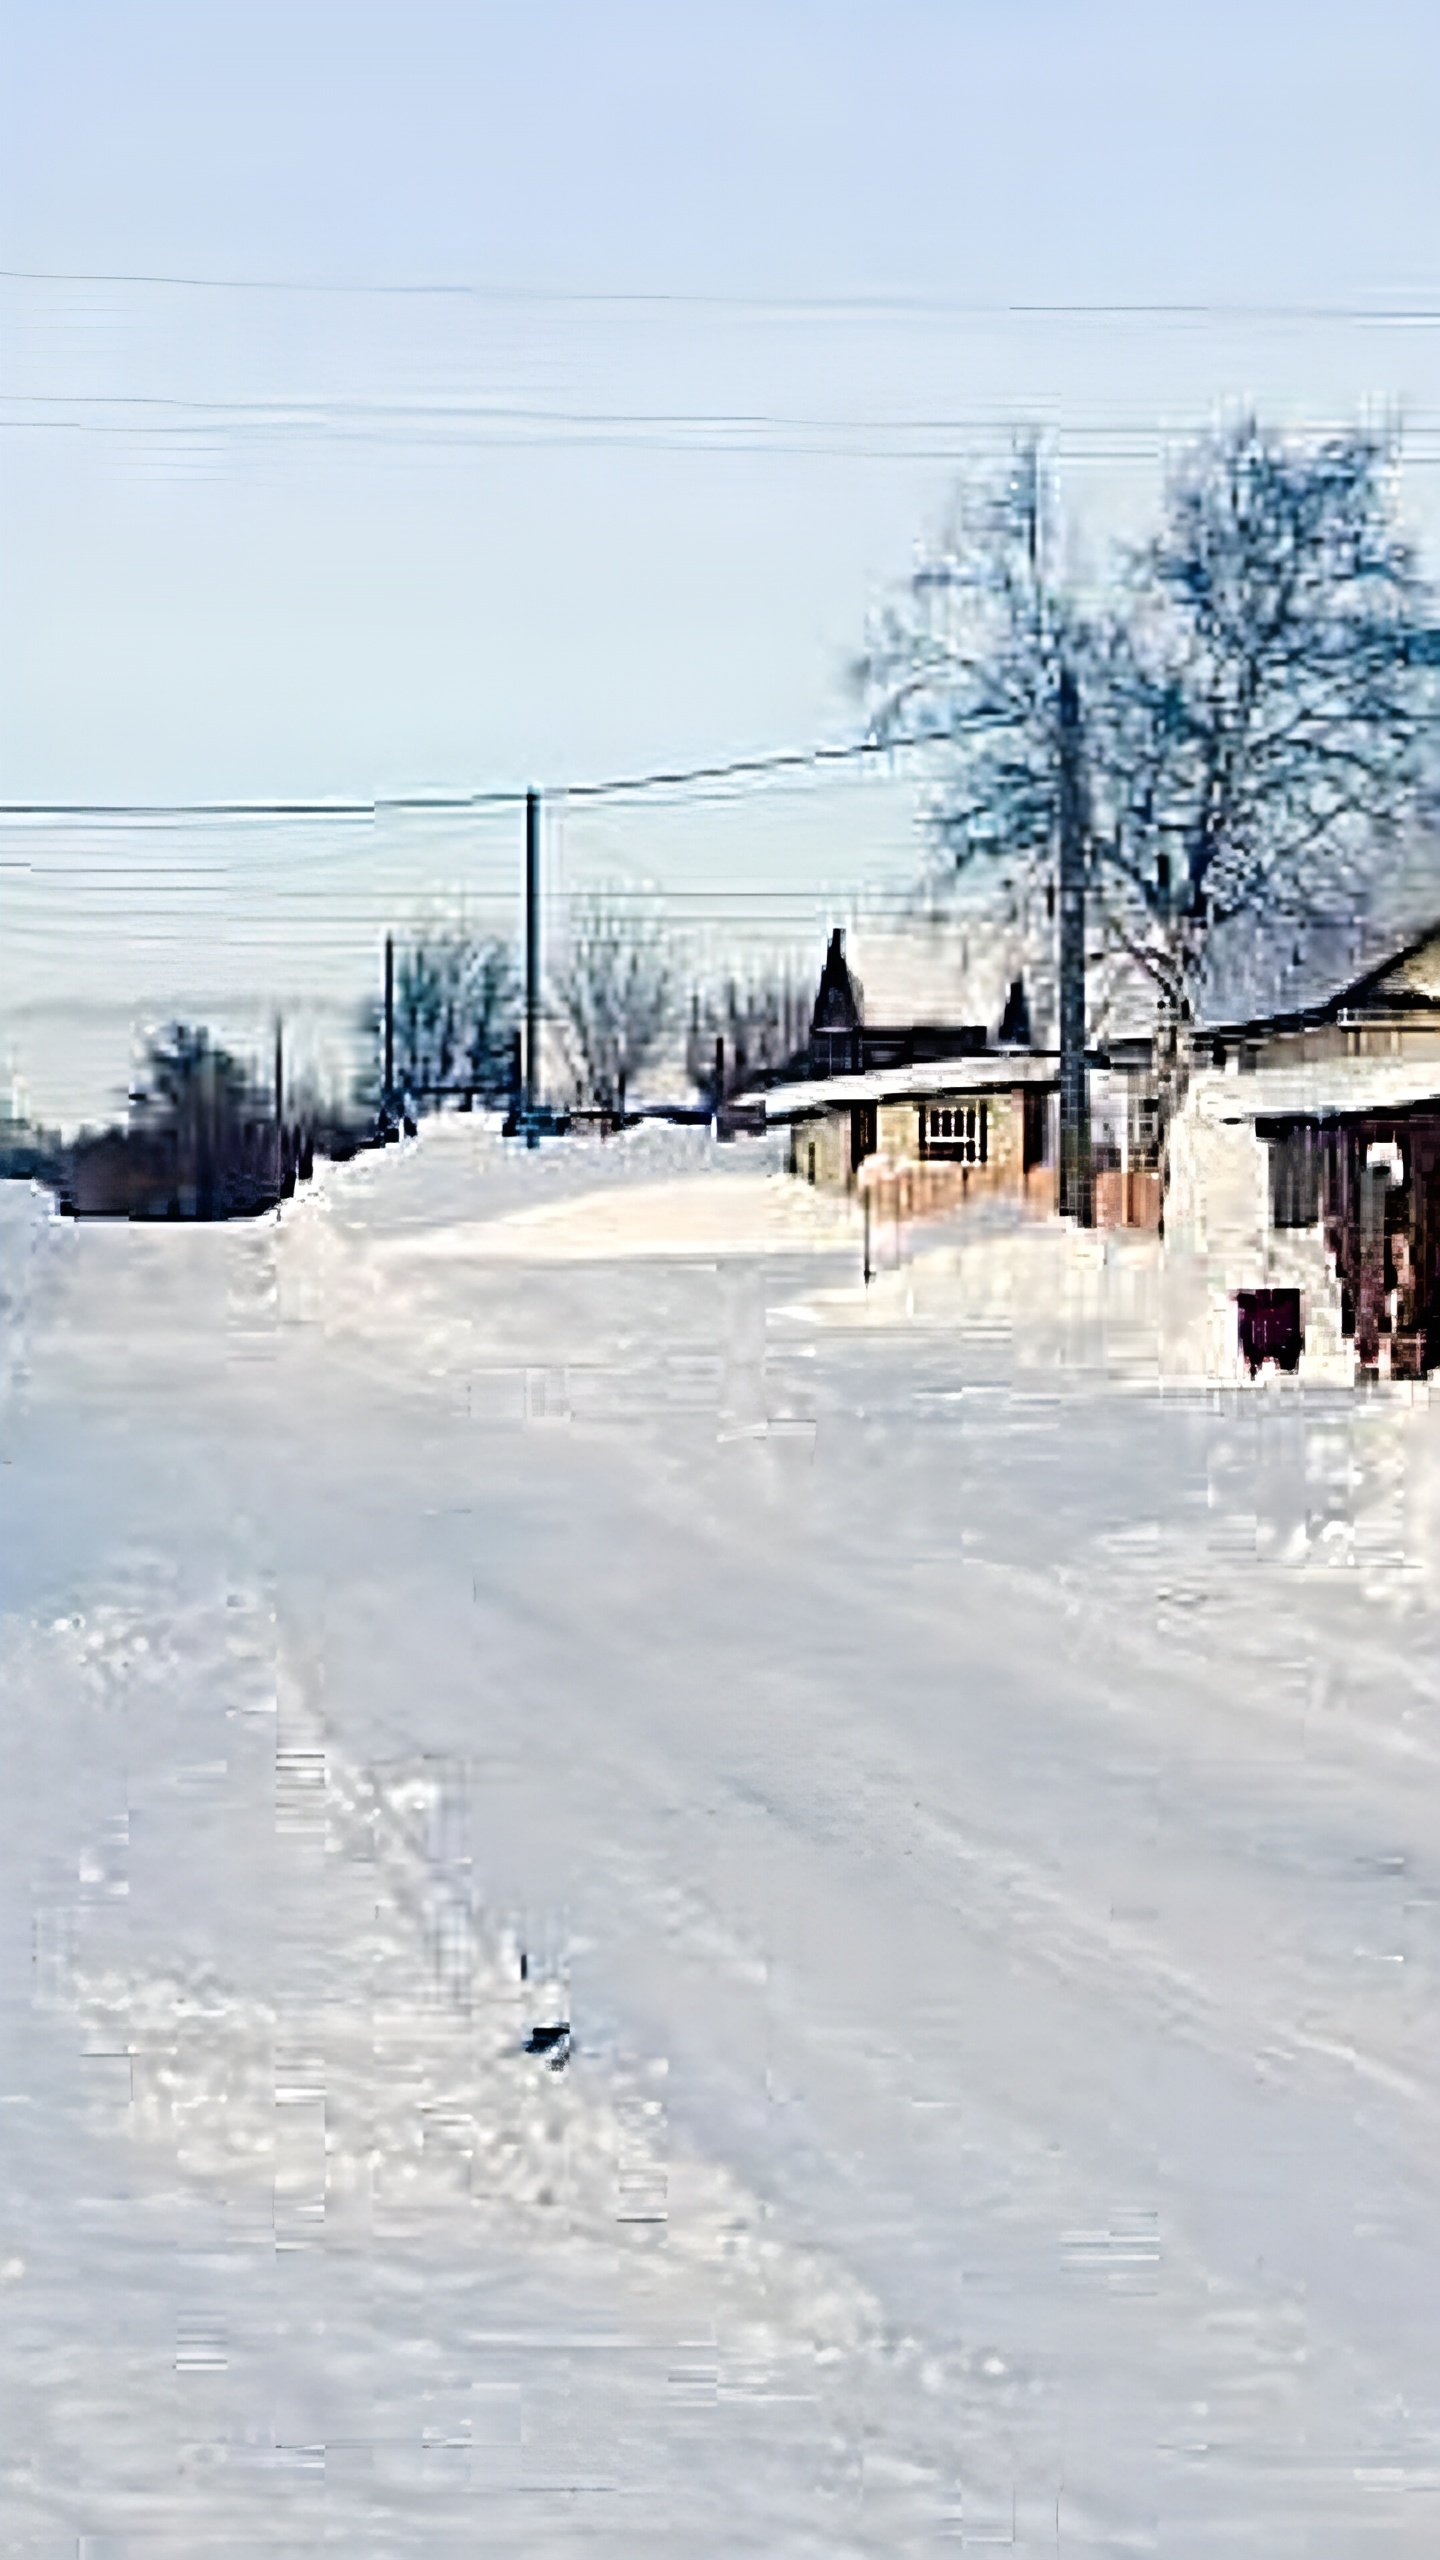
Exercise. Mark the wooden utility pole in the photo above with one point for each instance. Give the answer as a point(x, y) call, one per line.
point(389, 1020)
point(1075, 1189)
point(532, 951)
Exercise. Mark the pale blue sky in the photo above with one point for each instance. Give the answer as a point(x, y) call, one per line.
point(261, 542)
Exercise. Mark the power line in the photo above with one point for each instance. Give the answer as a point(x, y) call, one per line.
point(450, 804)
point(303, 409)
point(879, 303)
point(460, 427)
point(784, 760)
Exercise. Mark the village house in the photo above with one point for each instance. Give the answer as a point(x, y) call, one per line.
point(1335, 1103)
point(949, 1087)
point(1309, 1165)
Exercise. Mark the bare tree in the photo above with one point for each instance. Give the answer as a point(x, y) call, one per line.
point(1251, 698)
point(490, 1015)
point(752, 1026)
point(970, 656)
point(989, 655)
point(456, 1009)
point(614, 993)
point(1262, 708)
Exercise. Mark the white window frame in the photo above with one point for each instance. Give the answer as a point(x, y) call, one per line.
point(956, 1132)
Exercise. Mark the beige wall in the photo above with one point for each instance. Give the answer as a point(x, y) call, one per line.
point(898, 1131)
point(820, 1150)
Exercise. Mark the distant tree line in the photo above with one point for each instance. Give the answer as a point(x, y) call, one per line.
point(206, 1138)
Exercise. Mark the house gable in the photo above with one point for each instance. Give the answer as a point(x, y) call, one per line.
point(837, 1000)
point(1409, 977)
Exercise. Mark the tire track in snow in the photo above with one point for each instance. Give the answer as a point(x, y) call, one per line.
point(383, 2108)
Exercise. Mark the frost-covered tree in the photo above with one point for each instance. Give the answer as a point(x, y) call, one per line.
point(1258, 726)
point(988, 655)
point(969, 657)
point(1252, 695)
point(614, 993)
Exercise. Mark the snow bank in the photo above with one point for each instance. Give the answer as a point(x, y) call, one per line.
point(722, 1214)
point(1116, 1300)
point(28, 1225)
point(1047, 1291)
point(1219, 1239)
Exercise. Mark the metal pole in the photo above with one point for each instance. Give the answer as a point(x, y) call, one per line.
point(389, 1019)
point(532, 951)
point(1075, 1196)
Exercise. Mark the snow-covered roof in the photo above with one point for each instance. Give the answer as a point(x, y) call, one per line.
point(949, 962)
point(1259, 968)
point(923, 973)
point(1265, 972)
point(995, 1069)
point(951, 957)
point(1322, 1089)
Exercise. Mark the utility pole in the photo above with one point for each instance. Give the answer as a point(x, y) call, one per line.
point(388, 1096)
point(279, 1072)
point(532, 953)
point(1075, 1191)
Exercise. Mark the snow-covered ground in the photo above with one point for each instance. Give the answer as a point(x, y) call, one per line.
point(968, 1779)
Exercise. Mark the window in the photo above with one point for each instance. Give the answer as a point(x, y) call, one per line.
point(958, 1132)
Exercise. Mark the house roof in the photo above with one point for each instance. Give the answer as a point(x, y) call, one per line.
point(987, 1072)
point(951, 969)
point(1292, 969)
point(1326, 1089)
point(954, 961)
point(1330, 971)
point(840, 997)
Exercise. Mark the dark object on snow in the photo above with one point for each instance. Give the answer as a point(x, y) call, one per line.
point(553, 2042)
point(1270, 1328)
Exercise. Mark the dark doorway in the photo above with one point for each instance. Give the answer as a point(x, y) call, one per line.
point(1037, 1130)
point(864, 1132)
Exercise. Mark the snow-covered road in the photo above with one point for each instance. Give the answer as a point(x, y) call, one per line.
point(979, 1815)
